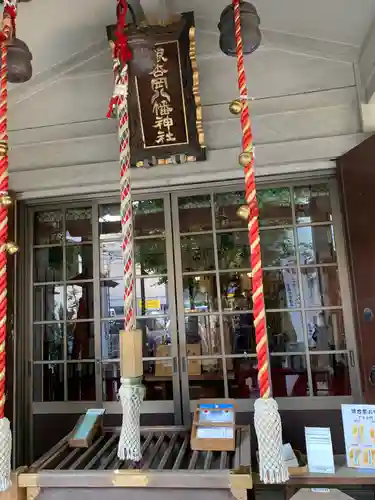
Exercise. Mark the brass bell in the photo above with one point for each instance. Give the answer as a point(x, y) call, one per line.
point(3, 148)
point(19, 62)
point(236, 106)
point(5, 200)
point(243, 212)
point(245, 158)
point(12, 247)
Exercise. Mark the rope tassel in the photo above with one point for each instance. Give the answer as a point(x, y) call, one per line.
point(267, 420)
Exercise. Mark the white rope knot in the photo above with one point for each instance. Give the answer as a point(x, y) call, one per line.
point(120, 90)
point(131, 395)
point(5, 454)
point(267, 422)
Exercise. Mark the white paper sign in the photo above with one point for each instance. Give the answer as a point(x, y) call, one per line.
point(319, 450)
point(359, 435)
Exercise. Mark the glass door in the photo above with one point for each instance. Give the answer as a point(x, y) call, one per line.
point(310, 332)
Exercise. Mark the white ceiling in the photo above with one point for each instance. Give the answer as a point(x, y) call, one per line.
point(55, 29)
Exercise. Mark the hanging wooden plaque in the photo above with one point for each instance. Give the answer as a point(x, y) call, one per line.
point(165, 113)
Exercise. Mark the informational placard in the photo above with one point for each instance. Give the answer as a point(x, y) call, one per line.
point(319, 450)
point(359, 435)
point(216, 413)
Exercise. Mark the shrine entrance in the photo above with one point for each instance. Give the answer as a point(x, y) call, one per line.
point(193, 301)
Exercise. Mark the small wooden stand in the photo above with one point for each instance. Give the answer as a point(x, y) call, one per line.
point(214, 426)
point(86, 429)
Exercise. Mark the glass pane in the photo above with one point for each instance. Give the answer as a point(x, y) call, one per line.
point(275, 207)
point(80, 340)
point(202, 335)
point(330, 373)
point(285, 332)
point(281, 289)
point(157, 336)
point(48, 342)
point(321, 287)
point(48, 303)
point(326, 330)
point(110, 339)
point(158, 380)
point(78, 225)
point(200, 293)
point(112, 298)
point(289, 376)
point(79, 265)
point(235, 291)
point(239, 333)
point(150, 257)
point(278, 248)
point(48, 264)
point(206, 379)
point(226, 206)
point(195, 213)
point(111, 265)
point(148, 217)
point(233, 250)
point(109, 221)
point(79, 301)
point(48, 228)
point(316, 245)
point(48, 384)
point(81, 382)
point(110, 381)
point(151, 296)
point(312, 204)
point(197, 253)
point(242, 378)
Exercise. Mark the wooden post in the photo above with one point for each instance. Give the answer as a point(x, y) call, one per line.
point(131, 365)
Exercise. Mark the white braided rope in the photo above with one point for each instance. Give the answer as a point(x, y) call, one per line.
point(267, 423)
point(5, 454)
point(131, 397)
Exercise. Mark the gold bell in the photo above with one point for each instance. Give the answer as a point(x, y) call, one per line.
point(235, 107)
point(243, 212)
point(12, 247)
point(3, 148)
point(245, 158)
point(5, 200)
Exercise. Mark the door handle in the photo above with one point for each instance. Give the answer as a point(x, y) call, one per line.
point(183, 364)
point(174, 362)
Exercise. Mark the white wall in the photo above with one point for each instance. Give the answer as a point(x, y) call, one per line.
point(305, 113)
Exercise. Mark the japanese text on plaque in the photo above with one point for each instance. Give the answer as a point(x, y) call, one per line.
point(161, 100)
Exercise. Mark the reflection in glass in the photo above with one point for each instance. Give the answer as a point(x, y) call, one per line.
point(48, 342)
point(48, 303)
point(275, 207)
point(150, 256)
point(242, 378)
point(79, 301)
point(157, 336)
point(48, 264)
point(239, 333)
point(321, 287)
point(206, 379)
point(281, 290)
point(79, 265)
point(158, 380)
point(312, 204)
point(80, 341)
point(109, 221)
point(78, 225)
point(112, 298)
point(326, 330)
point(316, 245)
point(195, 213)
point(226, 206)
point(330, 373)
point(233, 250)
point(48, 228)
point(110, 381)
point(48, 383)
point(278, 248)
point(151, 296)
point(148, 217)
point(197, 253)
point(199, 293)
point(110, 338)
point(81, 381)
point(202, 335)
point(285, 331)
point(111, 265)
point(235, 291)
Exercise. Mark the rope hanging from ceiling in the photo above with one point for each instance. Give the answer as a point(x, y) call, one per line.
point(131, 392)
point(266, 418)
point(7, 33)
